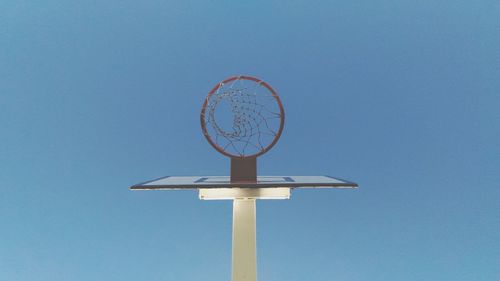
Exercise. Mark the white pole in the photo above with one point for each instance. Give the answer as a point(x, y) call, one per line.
point(244, 241)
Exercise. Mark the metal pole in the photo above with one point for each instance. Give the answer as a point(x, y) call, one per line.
point(244, 240)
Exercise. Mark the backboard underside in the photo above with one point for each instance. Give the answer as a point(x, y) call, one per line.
point(198, 182)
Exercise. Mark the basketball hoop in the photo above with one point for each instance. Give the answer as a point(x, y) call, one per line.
point(242, 117)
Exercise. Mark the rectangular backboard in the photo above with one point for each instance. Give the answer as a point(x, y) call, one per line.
point(199, 182)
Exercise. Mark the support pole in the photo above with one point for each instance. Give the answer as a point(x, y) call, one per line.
point(244, 240)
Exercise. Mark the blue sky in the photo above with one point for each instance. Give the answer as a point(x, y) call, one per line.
point(400, 96)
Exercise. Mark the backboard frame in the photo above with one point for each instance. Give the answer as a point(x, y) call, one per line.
point(204, 182)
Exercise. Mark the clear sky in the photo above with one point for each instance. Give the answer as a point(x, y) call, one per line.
point(401, 96)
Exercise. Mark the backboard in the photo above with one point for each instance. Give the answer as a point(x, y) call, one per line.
point(202, 182)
